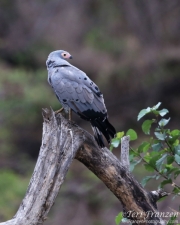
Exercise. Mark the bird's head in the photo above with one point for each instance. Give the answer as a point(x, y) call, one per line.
point(57, 57)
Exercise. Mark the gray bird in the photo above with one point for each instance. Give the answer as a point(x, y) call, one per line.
point(76, 91)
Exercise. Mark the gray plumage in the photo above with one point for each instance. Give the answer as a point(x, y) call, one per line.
point(75, 90)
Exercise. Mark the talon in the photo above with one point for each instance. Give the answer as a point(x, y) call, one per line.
point(70, 114)
point(60, 110)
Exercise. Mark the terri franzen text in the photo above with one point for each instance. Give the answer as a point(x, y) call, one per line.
point(149, 214)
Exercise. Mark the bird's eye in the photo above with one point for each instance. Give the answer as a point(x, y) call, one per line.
point(64, 54)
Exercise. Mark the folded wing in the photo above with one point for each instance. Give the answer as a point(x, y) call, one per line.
point(75, 90)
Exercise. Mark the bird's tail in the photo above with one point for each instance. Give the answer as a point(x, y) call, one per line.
point(98, 136)
point(105, 128)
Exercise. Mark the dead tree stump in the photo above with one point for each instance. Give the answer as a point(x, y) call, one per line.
point(62, 141)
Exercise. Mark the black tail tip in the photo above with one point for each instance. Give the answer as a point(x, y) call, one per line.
point(98, 137)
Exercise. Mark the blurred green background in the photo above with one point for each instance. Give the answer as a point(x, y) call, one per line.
point(130, 48)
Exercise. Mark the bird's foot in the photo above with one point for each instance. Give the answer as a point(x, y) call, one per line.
point(60, 110)
point(70, 114)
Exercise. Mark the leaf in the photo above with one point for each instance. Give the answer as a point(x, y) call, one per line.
point(176, 190)
point(176, 174)
point(149, 168)
point(146, 126)
point(158, 176)
point(177, 159)
point(173, 139)
point(115, 142)
point(144, 147)
point(119, 218)
point(170, 170)
point(133, 154)
point(155, 112)
point(156, 106)
point(172, 220)
point(142, 113)
point(160, 136)
point(178, 152)
point(175, 132)
point(176, 142)
point(163, 122)
point(156, 147)
point(163, 112)
point(146, 179)
point(170, 159)
point(134, 163)
point(120, 134)
point(177, 149)
point(160, 161)
point(164, 171)
point(132, 134)
point(154, 159)
point(168, 181)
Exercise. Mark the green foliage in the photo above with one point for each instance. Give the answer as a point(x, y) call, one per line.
point(146, 126)
point(117, 140)
point(118, 218)
point(146, 179)
point(132, 133)
point(172, 220)
point(159, 154)
point(12, 189)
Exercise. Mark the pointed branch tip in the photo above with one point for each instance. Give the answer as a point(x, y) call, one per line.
point(47, 114)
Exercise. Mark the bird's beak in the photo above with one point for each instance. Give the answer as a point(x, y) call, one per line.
point(70, 57)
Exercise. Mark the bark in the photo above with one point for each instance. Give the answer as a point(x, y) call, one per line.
point(63, 141)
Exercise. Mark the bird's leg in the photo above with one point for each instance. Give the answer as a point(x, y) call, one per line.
point(60, 110)
point(70, 114)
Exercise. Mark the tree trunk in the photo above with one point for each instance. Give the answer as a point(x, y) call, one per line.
point(63, 141)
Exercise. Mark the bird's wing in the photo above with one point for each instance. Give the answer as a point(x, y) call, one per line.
point(75, 89)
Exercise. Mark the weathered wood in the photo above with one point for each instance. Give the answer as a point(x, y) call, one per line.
point(59, 146)
point(137, 203)
point(124, 158)
point(62, 141)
